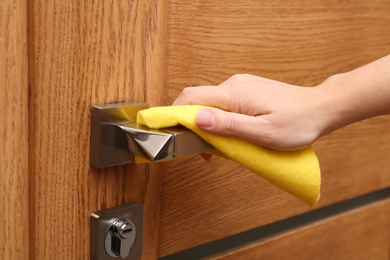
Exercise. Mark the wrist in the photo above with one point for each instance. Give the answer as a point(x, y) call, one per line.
point(333, 111)
point(357, 95)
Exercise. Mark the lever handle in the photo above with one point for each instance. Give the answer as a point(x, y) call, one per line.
point(116, 138)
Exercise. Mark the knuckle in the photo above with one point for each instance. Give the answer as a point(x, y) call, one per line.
point(236, 79)
point(186, 95)
point(186, 92)
point(231, 124)
point(270, 135)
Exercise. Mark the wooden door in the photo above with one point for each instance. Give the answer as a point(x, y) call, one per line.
point(62, 57)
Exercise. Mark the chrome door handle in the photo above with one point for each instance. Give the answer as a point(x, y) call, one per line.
point(116, 138)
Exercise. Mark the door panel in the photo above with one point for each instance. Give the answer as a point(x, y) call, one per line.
point(84, 53)
point(301, 44)
point(361, 234)
point(13, 130)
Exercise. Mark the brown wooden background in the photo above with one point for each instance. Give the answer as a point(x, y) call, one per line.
point(58, 58)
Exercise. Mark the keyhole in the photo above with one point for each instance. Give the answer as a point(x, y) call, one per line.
point(125, 230)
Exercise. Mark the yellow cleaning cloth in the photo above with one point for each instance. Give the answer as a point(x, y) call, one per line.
point(296, 172)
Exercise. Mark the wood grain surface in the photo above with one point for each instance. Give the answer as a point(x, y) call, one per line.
point(361, 234)
point(302, 44)
point(13, 130)
point(84, 53)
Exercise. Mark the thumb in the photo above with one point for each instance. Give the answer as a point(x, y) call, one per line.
point(225, 123)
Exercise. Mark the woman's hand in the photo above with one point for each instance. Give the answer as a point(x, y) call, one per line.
point(266, 112)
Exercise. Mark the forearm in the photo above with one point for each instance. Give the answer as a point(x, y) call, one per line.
point(356, 95)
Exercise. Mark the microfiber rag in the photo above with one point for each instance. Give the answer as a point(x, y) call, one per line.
point(296, 172)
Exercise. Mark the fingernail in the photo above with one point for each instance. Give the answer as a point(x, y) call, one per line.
point(205, 118)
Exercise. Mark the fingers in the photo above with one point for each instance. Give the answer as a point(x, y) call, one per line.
point(233, 124)
point(261, 130)
point(215, 96)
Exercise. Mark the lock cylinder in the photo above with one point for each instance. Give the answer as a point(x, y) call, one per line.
point(120, 238)
point(120, 230)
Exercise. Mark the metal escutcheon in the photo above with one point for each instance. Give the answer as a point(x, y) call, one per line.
point(116, 233)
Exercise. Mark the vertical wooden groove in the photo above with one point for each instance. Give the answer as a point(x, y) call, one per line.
point(155, 96)
point(31, 123)
point(14, 130)
point(153, 52)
